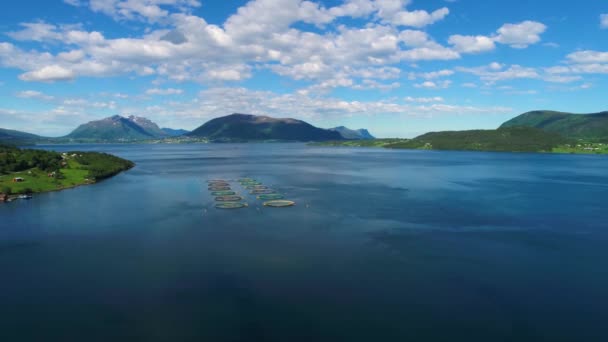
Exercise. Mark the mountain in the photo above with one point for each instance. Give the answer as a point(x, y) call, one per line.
point(244, 127)
point(118, 128)
point(351, 134)
point(149, 126)
point(174, 132)
point(578, 126)
point(509, 139)
point(9, 136)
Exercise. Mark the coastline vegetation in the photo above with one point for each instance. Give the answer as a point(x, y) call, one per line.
point(24, 171)
point(508, 139)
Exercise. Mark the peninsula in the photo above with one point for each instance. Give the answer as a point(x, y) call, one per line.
point(27, 171)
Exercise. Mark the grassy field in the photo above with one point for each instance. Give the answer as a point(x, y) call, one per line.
point(583, 148)
point(36, 180)
point(43, 171)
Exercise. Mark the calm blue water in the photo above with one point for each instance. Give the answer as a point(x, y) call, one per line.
point(382, 246)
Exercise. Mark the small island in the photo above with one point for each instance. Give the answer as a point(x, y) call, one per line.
point(27, 171)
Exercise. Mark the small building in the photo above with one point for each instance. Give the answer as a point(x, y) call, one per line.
point(3, 197)
point(18, 180)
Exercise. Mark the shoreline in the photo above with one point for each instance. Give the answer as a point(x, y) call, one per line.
point(14, 197)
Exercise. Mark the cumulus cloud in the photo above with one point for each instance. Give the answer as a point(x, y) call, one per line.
point(220, 101)
point(471, 44)
point(33, 94)
point(520, 35)
point(395, 12)
point(37, 31)
point(49, 73)
point(431, 74)
point(424, 99)
point(434, 84)
point(260, 35)
point(150, 10)
point(588, 56)
point(495, 72)
point(167, 91)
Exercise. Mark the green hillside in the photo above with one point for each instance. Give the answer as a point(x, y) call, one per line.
point(592, 127)
point(9, 136)
point(48, 171)
point(511, 139)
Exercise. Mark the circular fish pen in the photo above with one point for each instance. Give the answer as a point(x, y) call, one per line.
point(231, 205)
point(219, 188)
point(270, 197)
point(262, 191)
point(223, 193)
point(279, 203)
point(250, 183)
point(245, 180)
point(256, 187)
point(218, 184)
point(217, 181)
point(232, 198)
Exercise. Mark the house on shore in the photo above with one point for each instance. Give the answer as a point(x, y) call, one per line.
point(18, 180)
point(3, 197)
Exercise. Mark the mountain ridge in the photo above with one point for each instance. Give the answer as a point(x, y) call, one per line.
point(248, 127)
point(577, 126)
point(353, 134)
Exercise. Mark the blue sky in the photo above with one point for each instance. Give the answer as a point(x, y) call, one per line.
point(397, 67)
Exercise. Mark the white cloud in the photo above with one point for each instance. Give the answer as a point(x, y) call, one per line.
point(167, 91)
point(561, 79)
point(33, 94)
point(75, 3)
point(495, 72)
point(49, 73)
point(38, 31)
point(150, 10)
point(424, 99)
point(394, 11)
point(220, 101)
point(604, 21)
point(431, 74)
point(373, 84)
point(258, 36)
point(520, 35)
point(588, 56)
point(434, 84)
point(471, 44)
point(592, 68)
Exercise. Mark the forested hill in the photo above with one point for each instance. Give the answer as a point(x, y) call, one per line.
point(511, 139)
point(578, 126)
point(41, 170)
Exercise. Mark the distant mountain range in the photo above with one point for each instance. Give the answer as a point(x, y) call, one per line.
point(577, 126)
point(118, 128)
point(351, 134)
point(245, 127)
point(234, 127)
point(174, 132)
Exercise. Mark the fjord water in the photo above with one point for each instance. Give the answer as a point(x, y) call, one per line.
point(382, 246)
